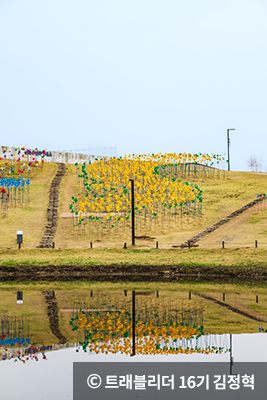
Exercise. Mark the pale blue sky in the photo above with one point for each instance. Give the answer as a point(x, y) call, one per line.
point(144, 76)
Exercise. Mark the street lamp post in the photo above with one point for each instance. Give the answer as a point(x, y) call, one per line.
point(228, 146)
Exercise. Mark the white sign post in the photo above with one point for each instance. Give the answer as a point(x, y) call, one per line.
point(19, 238)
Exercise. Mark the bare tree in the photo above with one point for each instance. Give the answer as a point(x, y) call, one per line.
point(254, 164)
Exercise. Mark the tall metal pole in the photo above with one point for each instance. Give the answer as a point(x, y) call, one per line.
point(228, 147)
point(133, 322)
point(133, 227)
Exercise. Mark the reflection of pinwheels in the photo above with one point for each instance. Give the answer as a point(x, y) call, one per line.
point(7, 341)
point(263, 324)
point(15, 333)
point(25, 353)
point(111, 332)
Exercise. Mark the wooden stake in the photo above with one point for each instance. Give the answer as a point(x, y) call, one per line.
point(133, 221)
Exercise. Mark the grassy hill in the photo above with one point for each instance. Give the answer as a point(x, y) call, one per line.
point(220, 198)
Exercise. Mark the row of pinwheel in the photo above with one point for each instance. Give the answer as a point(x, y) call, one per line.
point(162, 200)
point(182, 165)
point(14, 191)
point(22, 161)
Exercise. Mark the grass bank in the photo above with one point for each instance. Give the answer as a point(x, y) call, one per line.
point(232, 262)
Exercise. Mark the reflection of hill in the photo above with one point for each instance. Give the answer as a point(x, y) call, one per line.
point(50, 316)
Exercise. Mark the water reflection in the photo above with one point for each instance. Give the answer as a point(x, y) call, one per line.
point(24, 354)
point(165, 322)
point(14, 333)
point(107, 326)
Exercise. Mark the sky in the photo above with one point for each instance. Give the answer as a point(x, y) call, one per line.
point(143, 76)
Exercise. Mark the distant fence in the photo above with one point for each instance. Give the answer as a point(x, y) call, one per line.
point(145, 244)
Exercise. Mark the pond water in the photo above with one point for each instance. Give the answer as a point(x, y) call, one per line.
point(47, 324)
point(52, 378)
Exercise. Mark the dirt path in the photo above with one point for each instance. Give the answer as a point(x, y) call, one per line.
point(196, 238)
point(52, 211)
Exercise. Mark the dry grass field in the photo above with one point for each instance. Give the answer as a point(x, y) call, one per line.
point(220, 198)
point(31, 217)
point(242, 231)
